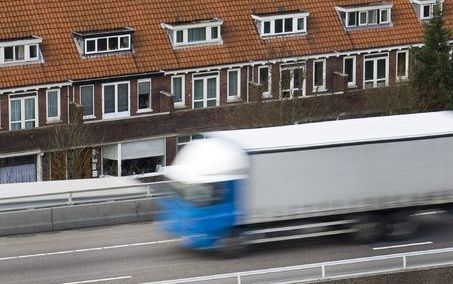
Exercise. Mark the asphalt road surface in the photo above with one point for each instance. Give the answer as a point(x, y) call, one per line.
point(139, 253)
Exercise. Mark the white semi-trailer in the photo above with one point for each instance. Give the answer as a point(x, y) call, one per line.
point(364, 176)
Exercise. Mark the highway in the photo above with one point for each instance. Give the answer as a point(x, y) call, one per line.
point(139, 253)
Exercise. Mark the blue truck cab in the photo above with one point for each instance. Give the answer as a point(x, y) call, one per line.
point(203, 203)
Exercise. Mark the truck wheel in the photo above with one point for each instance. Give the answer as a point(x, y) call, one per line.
point(368, 229)
point(232, 246)
point(400, 227)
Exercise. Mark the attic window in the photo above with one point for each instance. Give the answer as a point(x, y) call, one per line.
point(100, 42)
point(425, 8)
point(194, 33)
point(281, 24)
point(20, 51)
point(357, 16)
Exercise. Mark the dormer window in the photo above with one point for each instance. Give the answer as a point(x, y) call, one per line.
point(425, 8)
point(194, 33)
point(20, 51)
point(100, 42)
point(373, 14)
point(281, 24)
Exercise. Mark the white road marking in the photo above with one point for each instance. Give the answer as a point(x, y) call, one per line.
point(404, 245)
point(86, 250)
point(100, 280)
point(429, 213)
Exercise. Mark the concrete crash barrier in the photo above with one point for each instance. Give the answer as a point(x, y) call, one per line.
point(440, 275)
point(76, 216)
point(27, 221)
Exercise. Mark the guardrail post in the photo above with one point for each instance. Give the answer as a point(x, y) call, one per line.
point(70, 199)
point(239, 279)
point(148, 191)
point(404, 262)
point(323, 272)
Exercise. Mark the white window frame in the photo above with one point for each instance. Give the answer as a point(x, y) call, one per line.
point(266, 94)
point(348, 15)
point(375, 68)
point(108, 48)
point(173, 30)
point(205, 88)
point(361, 24)
point(91, 116)
point(26, 47)
point(12, 98)
point(150, 108)
point(182, 103)
point(354, 70)
point(323, 87)
point(238, 96)
point(260, 20)
point(388, 16)
point(116, 114)
point(406, 76)
point(58, 117)
point(431, 11)
point(292, 88)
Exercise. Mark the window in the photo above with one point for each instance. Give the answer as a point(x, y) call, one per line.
point(14, 53)
point(181, 141)
point(178, 90)
point(205, 90)
point(375, 74)
point(53, 105)
point(179, 36)
point(33, 51)
point(363, 18)
point(269, 25)
point(278, 29)
point(426, 11)
point(263, 79)
point(349, 68)
point(87, 101)
point(288, 25)
point(319, 75)
point(107, 44)
point(133, 158)
point(402, 65)
point(23, 112)
point(372, 17)
point(351, 19)
point(234, 84)
point(292, 81)
point(144, 94)
point(195, 33)
point(353, 16)
point(115, 100)
point(214, 32)
point(384, 16)
point(20, 51)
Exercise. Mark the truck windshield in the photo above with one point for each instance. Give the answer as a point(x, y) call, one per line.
point(199, 194)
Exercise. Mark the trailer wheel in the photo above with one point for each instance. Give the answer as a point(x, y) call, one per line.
point(368, 229)
point(400, 227)
point(232, 246)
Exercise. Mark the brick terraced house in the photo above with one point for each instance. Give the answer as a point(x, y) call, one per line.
point(142, 76)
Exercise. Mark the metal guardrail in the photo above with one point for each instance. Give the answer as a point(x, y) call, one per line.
point(330, 270)
point(44, 198)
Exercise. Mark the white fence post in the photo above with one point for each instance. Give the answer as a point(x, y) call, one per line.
point(323, 271)
point(239, 278)
point(404, 262)
point(148, 191)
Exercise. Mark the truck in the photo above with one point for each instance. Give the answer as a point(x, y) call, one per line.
point(366, 177)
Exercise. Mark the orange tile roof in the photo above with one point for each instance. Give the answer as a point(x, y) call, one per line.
point(54, 22)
